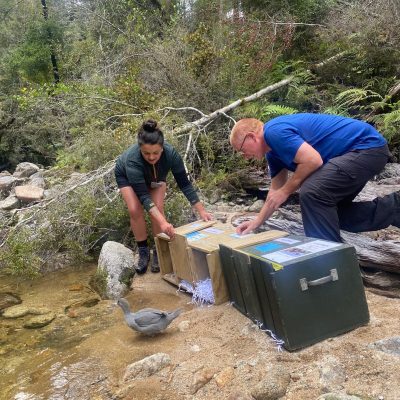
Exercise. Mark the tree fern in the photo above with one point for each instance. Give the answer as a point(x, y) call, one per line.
point(275, 110)
point(356, 96)
point(389, 124)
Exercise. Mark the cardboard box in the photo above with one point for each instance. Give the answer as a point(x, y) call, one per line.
point(193, 255)
point(304, 290)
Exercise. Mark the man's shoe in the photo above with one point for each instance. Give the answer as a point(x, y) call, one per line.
point(144, 258)
point(154, 264)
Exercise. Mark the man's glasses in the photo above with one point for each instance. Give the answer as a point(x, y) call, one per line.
point(244, 139)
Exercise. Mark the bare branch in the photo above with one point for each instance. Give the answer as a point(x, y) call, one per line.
point(222, 111)
point(79, 4)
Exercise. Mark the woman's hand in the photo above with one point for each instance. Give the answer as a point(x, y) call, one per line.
point(168, 229)
point(206, 216)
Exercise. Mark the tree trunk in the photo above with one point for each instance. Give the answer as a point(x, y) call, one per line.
point(50, 37)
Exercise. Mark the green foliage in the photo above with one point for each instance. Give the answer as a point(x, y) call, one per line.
point(30, 61)
point(128, 88)
point(124, 60)
point(355, 97)
point(98, 282)
point(389, 124)
point(204, 55)
point(20, 257)
point(275, 110)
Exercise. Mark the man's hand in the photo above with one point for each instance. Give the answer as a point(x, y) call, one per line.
point(247, 227)
point(276, 198)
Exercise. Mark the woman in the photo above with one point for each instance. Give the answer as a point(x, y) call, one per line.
point(141, 173)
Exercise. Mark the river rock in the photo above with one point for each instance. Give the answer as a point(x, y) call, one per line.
point(37, 179)
point(256, 206)
point(332, 374)
point(9, 203)
point(273, 385)
point(25, 169)
point(29, 193)
point(8, 300)
point(117, 262)
point(39, 321)
point(22, 310)
point(7, 182)
point(146, 367)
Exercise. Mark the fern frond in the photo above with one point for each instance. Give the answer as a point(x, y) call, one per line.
point(354, 96)
point(274, 110)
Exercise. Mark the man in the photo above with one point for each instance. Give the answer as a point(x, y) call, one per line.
point(332, 158)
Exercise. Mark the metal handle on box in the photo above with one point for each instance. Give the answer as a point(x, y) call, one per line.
point(304, 284)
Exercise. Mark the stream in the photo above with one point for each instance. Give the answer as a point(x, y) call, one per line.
point(83, 351)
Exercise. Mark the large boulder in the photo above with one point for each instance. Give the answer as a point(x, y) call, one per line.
point(9, 203)
point(37, 179)
point(116, 265)
point(29, 193)
point(25, 170)
point(7, 182)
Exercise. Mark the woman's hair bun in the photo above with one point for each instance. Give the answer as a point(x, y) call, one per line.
point(150, 125)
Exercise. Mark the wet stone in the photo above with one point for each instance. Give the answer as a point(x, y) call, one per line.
point(39, 321)
point(21, 310)
point(8, 300)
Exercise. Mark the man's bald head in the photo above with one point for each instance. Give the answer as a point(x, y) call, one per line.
point(242, 128)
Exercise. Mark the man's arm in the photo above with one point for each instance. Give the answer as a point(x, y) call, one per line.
point(308, 160)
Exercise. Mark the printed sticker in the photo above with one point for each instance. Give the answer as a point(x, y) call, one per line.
point(316, 246)
point(288, 254)
point(238, 236)
point(213, 230)
point(287, 240)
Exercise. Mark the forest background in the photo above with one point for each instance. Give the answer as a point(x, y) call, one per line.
point(78, 77)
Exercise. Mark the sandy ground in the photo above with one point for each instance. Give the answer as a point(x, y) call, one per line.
point(223, 344)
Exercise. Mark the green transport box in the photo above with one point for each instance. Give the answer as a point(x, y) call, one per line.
point(302, 289)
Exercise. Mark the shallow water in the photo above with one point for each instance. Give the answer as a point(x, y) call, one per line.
point(83, 352)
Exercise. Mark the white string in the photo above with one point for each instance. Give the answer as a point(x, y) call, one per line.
point(279, 342)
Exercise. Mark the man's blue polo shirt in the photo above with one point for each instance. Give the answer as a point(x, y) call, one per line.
point(330, 135)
